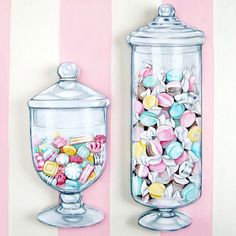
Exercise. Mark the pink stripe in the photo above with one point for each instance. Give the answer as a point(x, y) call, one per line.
point(85, 38)
point(4, 79)
point(199, 14)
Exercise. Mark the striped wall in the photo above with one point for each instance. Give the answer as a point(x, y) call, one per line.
point(36, 35)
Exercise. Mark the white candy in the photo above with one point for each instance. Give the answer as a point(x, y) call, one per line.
point(62, 159)
point(180, 180)
point(73, 171)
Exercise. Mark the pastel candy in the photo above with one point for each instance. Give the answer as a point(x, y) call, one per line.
point(72, 185)
point(142, 171)
point(137, 130)
point(136, 185)
point(164, 144)
point(62, 159)
point(94, 147)
point(146, 71)
point(100, 138)
point(187, 119)
point(138, 149)
point(165, 100)
point(139, 91)
point(185, 169)
point(165, 133)
point(149, 81)
point(174, 150)
point(69, 150)
point(50, 168)
point(73, 171)
point(192, 82)
point(58, 142)
point(194, 134)
point(44, 147)
point(80, 140)
point(83, 152)
point(149, 101)
point(154, 148)
point(90, 158)
point(148, 118)
point(159, 168)
point(173, 88)
point(176, 110)
point(156, 190)
point(196, 149)
point(138, 107)
point(182, 158)
point(61, 178)
point(98, 159)
point(50, 154)
point(174, 75)
point(87, 170)
point(191, 192)
point(76, 159)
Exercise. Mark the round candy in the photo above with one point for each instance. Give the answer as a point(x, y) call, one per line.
point(190, 192)
point(194, 134)
point(174, 75)
point(83, 151)
point(69, 150)
point(139, 149)
point(165, 100)
point(187, 119)
point(62, 159)
point(100, 138)
point(154, 148)
point(159, 168)
point(147, 71)
point(137, 130)
point(149, 101)
point(136, 185)
point(61, 178)
point(73, 171)
point(148, 118)
point(165, 133)
point(176, 110)
point(156, 190)
point(139, 91)
point(196, 149)
point(142, 171)
point(174, 150)
point(149, 81)
point(138, 107)
point(173, 88)
point(182, 158)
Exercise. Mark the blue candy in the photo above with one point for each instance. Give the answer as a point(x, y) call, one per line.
point(176, 110)
point(196, 149)
point(190, 192)
point(148, 118)
point(83, 152)
point(136, 185)
point(174, 75)
point(174, 150)
point(72, 184)
point(149, 81)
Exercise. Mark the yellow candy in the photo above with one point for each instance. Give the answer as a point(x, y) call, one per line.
point(149, 101)
point(90, 158)
point(156, 190)
point(69, 150)
point(194, 134)
point(92, 175)
point(50, 168)
point(139, 149)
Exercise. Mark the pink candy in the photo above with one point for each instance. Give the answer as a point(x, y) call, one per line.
point(100, 138)
point(165, 133)
point(138, 107)
point(165, 100)
point(182, 158)
point(39, 162)
point(142, 171)
point(87, 170)
point(154, 148)
point(59, 142)
point(147, 71)
point(159, 168)
point(94, 147)
point(187, 119)
point(192, 81)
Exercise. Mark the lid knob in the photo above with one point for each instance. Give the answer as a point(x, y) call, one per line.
point(166, 10)
point(68, 71)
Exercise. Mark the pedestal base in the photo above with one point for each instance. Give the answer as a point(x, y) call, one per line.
point(52, 216)
point(164, 220)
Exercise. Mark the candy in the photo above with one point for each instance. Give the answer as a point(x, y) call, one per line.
point(136, 185)
point(50, 154)
point(92, 176)
point(87, 170)
point(100, 138)
point(62, 159)
point(159, 168)
point(90, 158)
point(44, 147)
point(165, 100)
point(39, 162)
point(194, 134)
point(190, 192)
point(83, 152)
point(139, 91)
point(149, 81)
point(138, 107)
point(76, 159)
point(174, 150)
point(94, 146)
point(72, 185)
point(149, 101)
point(137, 130)
point(58, 142)
point(69, 150)
point(174, 75)
point(148, 118)
point(156, 190)
point(98, 159)
point(173, 88)
point(142, 171)
point(147, 71)
point(154, 148)
point(139, 149)
point(176, 110)
point(61, 178)
point(165, 133)
point(50, 168)
point(182, 158)
point(187, 119)
point(73, 171)
point(79, 140)
point(185, 169)
point(196, 149)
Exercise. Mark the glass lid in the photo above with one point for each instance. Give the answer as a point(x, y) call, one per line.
point(166, 30)
point(68, 92)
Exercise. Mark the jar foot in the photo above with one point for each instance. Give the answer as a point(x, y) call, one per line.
point(71, 213)
point(164, 220)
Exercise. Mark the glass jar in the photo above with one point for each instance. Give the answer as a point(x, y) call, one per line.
point(166, 119)
point(68, 141)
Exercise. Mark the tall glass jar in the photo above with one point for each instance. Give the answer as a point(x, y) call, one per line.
point(68, 130)
point(166, 119)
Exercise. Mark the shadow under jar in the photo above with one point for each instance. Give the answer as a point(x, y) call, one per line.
point(68, 140)
point(166, 119)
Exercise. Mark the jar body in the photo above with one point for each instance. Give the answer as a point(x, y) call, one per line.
point(166, 125)
point(68, 146)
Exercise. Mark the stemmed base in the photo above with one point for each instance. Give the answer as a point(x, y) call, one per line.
point(71, 213)
point(164, 220)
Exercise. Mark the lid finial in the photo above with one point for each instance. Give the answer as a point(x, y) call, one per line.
point(166, 10)
point(68, 70)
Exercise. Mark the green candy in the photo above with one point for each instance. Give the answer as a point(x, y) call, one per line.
point(148, 118)
point(149, 81)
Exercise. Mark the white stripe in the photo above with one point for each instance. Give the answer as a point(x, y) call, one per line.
point(124, 211)
point(34, 56)
point(224, 191)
